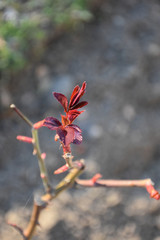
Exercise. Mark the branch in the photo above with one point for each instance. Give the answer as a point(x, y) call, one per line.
point(67, 182)
point(21, 115)
point(37, 151)
point(144, 183)
point(42, 202)
point(42, 167)
point(33, 223)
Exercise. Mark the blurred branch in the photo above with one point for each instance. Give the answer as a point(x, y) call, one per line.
point(144, 183)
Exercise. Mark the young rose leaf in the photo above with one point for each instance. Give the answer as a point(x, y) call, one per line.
point(52, 123)
point(62, 134)
point(73, 114)
point(79, 95)
point(62, 99)
point(70, 136)
point(74, 94)
point(79, 105)
point(77, 134)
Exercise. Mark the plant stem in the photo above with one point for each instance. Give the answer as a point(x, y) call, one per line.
point(37, 151)
point(40, 205)
point(21, 115)
point(113, 183)
point(42, 167)
point(29, 231)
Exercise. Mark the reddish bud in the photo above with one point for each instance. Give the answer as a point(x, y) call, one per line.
point(25, 139)
point(62, 169)
point(96, 177)
point(152, 191)
point(39, 124)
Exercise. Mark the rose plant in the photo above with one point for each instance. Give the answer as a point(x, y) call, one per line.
point(67, 133)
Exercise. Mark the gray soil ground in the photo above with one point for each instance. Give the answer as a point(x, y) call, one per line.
point(118, 56)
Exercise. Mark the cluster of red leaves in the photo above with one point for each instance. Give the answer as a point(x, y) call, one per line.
point(66, 131)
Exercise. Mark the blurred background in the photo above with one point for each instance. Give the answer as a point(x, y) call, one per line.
point(53, 45)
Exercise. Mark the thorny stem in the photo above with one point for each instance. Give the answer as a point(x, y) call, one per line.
point(145, 183)
point(42, 167)
point(38, 207)
point(113, 183)
point(37, 151)
point(76, 168)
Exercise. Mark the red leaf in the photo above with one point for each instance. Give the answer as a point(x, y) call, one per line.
point(79, 105)
point(77, 134)
point(74, 94)
point(73, 114)
point(75, 127)
point(52, 123)
point(80, 94)
point(62, 99)
point(69, 138)
point(62, 134)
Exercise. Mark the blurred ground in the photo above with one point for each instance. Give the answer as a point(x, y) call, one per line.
point(119, 56)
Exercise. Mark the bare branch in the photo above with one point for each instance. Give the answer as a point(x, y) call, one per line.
point(144, 183)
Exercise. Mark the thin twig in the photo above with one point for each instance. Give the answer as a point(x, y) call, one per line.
point(37, 151)
point(42, 167)
point(13, 106)
point(113, 183)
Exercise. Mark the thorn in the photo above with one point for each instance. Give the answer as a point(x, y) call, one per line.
point(152, 191)
point(62, 169)
point(43, 155)
point(34, 151)
point(38, 224)
point(19, 229)
point(42, 175)
point(96, 177)
point(25, 139)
